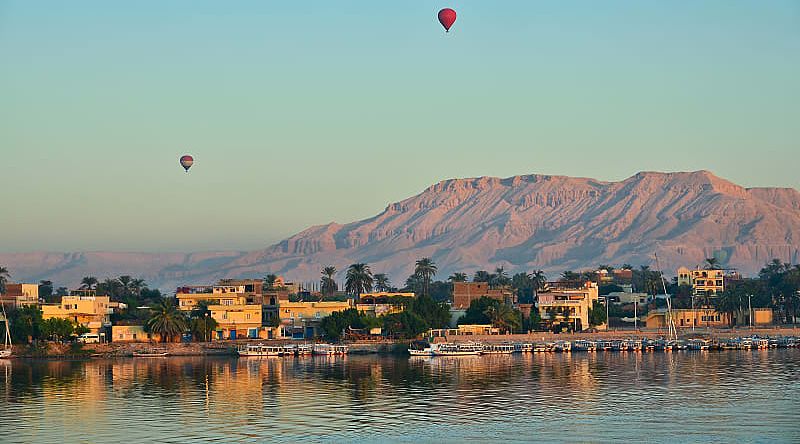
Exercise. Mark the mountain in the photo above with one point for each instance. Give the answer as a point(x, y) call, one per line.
point(521, 223)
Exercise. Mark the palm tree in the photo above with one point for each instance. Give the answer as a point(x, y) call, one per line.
point(729, 303)
point(89, 283)
point(269, 281)
point(382, 282)
point(458, 277)
point(4, 275)
point(500, 277)
point(712, 263)
point(328, 285)
point(482, 276)
point(539, 280)
point(200, 316)
point(569, 275)
point(167, 320)
point(358, 279)
point(501, 316)
point(426, 269)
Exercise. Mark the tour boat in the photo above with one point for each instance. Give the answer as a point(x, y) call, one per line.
point(261, 350)
point(303, 349)
point(699, 344)
point(761, 343)
point(745, 344)
point(584, 345)
point(459, 349)
point(539, 347)
point(419, 348)
point(497, 349)
point(6, 351)
point(330, 349)
point(523, 347)
point(563, 346)
point(605, 345)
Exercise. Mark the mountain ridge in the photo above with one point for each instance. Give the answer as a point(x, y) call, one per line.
point(520, 222)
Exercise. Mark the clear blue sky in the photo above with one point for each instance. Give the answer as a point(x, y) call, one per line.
point(302, 113)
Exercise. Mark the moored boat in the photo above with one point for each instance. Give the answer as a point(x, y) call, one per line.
point(330, 349)
point(456, 349)
point(584, 345)
point(262, 350)
point(497, 349)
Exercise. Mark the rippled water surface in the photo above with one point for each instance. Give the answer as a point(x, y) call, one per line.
point(736, 396)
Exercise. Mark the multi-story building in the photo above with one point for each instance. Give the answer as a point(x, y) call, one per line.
point(466, 292)
point(18, 295)
point(706, 317)
point(237, 321)
point(684, 276)
point(301, 320)
point(225, 292)
point(83, 307)
point(567, 303)
point(708, 282)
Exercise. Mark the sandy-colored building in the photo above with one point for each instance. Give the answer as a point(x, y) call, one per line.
point(706, 317)
point(711, 282)
point(684, 276)
point(237, 321)
point(300, 320)
point(384, 297)
point(84, 307)
point(466, 292)
point(19, 295)
point(225, 292)
point(132, 333)
point(567, 303)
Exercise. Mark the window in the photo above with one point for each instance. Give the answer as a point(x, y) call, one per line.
point(121, 336)
point(248, 315)
point(134, 336)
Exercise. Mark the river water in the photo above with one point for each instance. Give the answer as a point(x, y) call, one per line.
point(729, 396)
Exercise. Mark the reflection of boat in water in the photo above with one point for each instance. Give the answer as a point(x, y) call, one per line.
point(330, 349)
point(456, 349)
point(6, 351)
point(259, 350)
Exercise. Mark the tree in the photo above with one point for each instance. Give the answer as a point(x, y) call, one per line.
point(435, 314)
point(166, 320)
point(499, 278)
point(535, 319)
point(4, 275)
point(503, 317)
point(202, 328)
point(338, 322)
point(730, 303)
point(57, 328)
point(46, 290)
point(26, 322)
point(269, 281)
point(482, 276)
point(569, 275)
point(597, 314)
point(89, 283)
point(476, 313)
point(458, 277)
point(627, 267)
point(358, 279)
point(522, 283)
point(405, 325)
point(539, 280)
point(382, 282)
point(327, 283)
point(712, 263)
point(426, 269)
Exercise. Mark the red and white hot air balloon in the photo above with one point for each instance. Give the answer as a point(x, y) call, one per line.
point(447, 17)
point(186, 162)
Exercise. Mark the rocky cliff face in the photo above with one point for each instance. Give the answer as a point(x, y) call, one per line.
point(521, 223)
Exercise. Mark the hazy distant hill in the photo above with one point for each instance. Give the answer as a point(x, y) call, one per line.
point(521, 222)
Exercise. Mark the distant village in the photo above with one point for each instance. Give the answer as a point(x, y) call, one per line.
point(124, 309)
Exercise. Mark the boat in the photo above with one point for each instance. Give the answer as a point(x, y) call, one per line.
point(745, 344)
point(563, 346)
point(453, 349)
point(760, 343)
point(699, 344)
point(419, 348)
point(523, 347)
point(497, 349)
point(151, 353)
point(261, 350)
point(605, 345)
point(330, 349)
point(539, 347)
point(584, 345)
point(7, 347)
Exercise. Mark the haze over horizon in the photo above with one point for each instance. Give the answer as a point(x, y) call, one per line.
point(303, 114)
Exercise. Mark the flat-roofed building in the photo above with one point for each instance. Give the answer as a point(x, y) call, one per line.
point(708, 282)
point(132, 333)
point(83, 307)
point(225, 292)
point(237, 321)
point(466, 292)
point(706, 317)
point(300, 320)
point(19, 295)
point(567, 303)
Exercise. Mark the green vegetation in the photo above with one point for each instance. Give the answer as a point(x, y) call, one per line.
point(485, 310)
point(167, 321)
point(328, 285)
point(358, 279)
point(597, 314)
point(4, 275)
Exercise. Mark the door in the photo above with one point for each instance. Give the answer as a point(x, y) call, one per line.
point(233, 334)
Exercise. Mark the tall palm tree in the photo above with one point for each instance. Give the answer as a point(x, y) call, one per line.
point(328, 285)
point(458, 277)
point(482, 276)
point(4, 275)
point(539, 280)
point(167, 320)
point(500, 277)
point(426, 269)
point(89, 283)
point(382, 282)
point(569, 275)
point(358, 279)
point(712, 263)
point(501, 316)
point(125, 281)
point(269, 281)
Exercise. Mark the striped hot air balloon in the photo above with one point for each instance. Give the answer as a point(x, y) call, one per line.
point(186, 162)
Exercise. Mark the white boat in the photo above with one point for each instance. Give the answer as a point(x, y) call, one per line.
point(303, 349)
point(259, 350)
point(6, 351)
point(330, 349)
point(523, 347)
point(562, 346)
point(584, 345)
point(423, 352)
point(460, 349)
point(699, 344)
point(497, 349)
point(154, 353)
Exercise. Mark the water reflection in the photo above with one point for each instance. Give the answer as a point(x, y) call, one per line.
point(694, 396)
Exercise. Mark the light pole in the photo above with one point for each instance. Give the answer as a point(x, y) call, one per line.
point(608, 320)
point(750, 310)
point(694, 315)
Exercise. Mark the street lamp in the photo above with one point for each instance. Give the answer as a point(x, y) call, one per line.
point(750, 310)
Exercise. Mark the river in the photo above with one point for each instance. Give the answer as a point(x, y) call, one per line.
point(729, 396)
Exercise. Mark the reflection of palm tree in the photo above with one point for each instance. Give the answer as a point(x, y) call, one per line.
point(426, 269)
point(166, 320)
point(358, 279)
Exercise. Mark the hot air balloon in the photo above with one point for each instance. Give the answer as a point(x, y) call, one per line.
point(447, 17)
point(186, 162)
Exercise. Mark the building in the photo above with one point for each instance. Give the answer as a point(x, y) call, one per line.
point(464, 330)
point(567, 304)
point(623, 297)
point(19, 295)
point(300, 320)
point(706, 317)
point(225, 292)
point(237, 321)
point(383, 303)
point(83, 307)
point(383, 297)
point(707, 282)
point(466, 292)
point(132, 333)
point(684, 277)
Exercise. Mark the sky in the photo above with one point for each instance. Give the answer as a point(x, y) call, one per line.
point(304, 113)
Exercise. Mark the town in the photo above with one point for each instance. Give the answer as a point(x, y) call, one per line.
point(369, 307)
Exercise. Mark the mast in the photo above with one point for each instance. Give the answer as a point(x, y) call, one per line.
point(670, 321)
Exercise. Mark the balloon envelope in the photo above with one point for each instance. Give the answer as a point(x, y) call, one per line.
point(186, 162)
point(447, 17)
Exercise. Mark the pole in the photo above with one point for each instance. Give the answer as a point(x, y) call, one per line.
point(694, 315)
point(635, 315)
point(750, 310)
point(608, 321)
